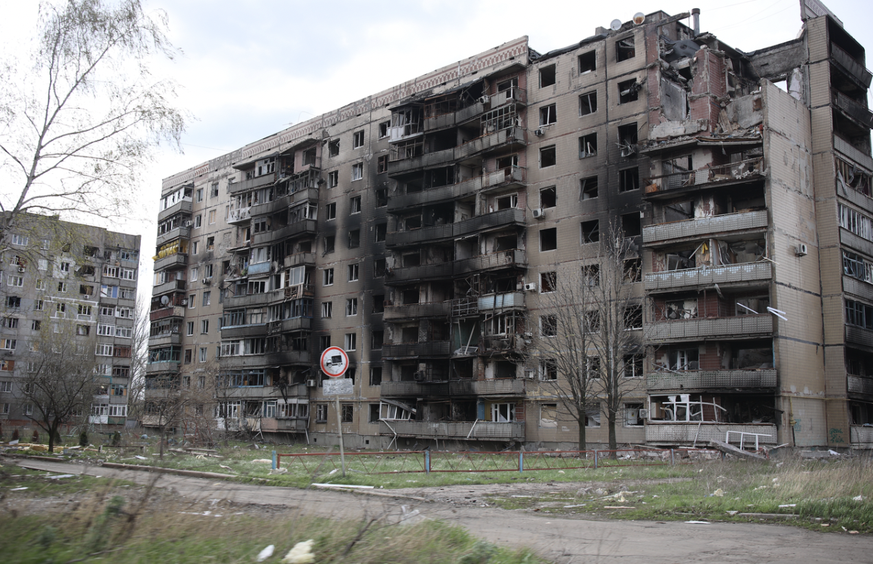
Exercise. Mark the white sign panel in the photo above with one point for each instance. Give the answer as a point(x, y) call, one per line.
point(339, 387)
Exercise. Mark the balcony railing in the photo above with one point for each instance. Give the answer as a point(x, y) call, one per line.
point(493, 220)
point(435, 195)
point(163, 313)
point(422, 272)
point(418, 236)
point(859, 336)
point(172, 234)
point(299, 259)
point(252, 183)
point(176, 259)
point(493, 141)
point(708, 379)
point(700, 433)
point(853, 108)
point(705, 226)
point(853, 67)
point(297, 228)
point(511, 300)
point(859, 385)
point(508, 387)
point(401, 163)
point(416, 311)
point(500, 259)
point(472, 430)
point(156, 367)
point(709, 327)
point(676, 279)
point(182, 206)
point(165, 339)
point(861, 436)
point(411, 350)
point(750, 169)
point(284, 425)
point(239, 215)
point(167, 287)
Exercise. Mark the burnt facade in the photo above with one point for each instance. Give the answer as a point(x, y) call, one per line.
point(419, 228)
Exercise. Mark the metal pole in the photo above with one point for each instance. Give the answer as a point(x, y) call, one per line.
point(427, 462)
point(521, 461)
point(672, 458)
point(339, 424)
point(274, 460)
point(595, 459)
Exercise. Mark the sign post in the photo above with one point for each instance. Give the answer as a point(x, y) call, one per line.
point(334, 363)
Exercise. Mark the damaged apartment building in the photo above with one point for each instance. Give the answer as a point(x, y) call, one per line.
point(419, 227)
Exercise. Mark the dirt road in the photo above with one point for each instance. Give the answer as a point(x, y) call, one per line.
point(561, 539)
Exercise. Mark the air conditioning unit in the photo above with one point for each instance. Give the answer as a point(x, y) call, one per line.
point(539, 132)
point(801, 250)
point(86, 296)
point(188, 223)
point(539, 213)
point(311, 383)
point(530, 287)
point(484, 99)
point(20, 269)
point(207, 280)
point(419, 376)
point(644, 414)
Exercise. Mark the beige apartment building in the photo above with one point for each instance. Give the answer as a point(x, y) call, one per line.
point(62, 276)
point(419, 228)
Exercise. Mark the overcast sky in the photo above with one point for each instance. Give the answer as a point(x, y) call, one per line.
point(251, 68)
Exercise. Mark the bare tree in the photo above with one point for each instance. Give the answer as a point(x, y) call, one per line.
point(587, 331)
point(84, 115)
point(60, 379)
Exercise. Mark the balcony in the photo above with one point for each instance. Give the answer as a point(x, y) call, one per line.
point(419, 236)
point(692, 277)
point(673, 184)
point(499, 388)
point(709, 379)
point(434, 195)
point(861, 436)
point(504, 178)
point(857, 287)
point(167, 287)
point(463, 430)
point(493, 220)
point(416, 311)
point(704, 227)
point(859, 385)
point(282, 358)
point(850, 66)
point(173, 234)
point(848, 150)
point(413, 350)
point(243, 331)
point(517, 95)
point(300, 259)
point(182, 206)
point(289, 325)
point(491, 261)
point(512, 300)
point(500, 344)
point(283, 202)
point(166, 312)
point(859, 336)
point(450, 119)
point(252, 184)
point(173, 260)
point(247, 300)
point(284, 425)
point(498, 140)
point(741, 326)
point(163, 367)
point(165, 339)
point(306, 226)
point(434, 159)
point(852, 241)
point(853, 109)
point(700, 433)
point(422, 272)
point(239, 215)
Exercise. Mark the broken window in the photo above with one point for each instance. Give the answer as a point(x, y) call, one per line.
point(592, 417)
point(628, 91)
point(354, 238)
point(549, 239)
point(332, 179)
point(548, 282)
point(631, 225)
point(548, 369)
point(507, 202)
point(383, 129)
point(591, 322)
point(548, 325)
point(355, 205)
point(548, 156)
point(588, 145)
point(680, 309)
point(588, 188)
point(590, 231)
point(382, 164)
point(333, 148)
point(548, 115)
point(357, 171)
point(628, 179)
point(591, 275)
point(503, 412)
point(625, 49)
point(330, 211)
point(547, 76)
point(549, 415)
point(548, 197)
point(309, 156)
point(855, 266)
point(633, 317)
point(587, 103)
point(380, 230)
point(381, 197)
point(348, 412)
point(358, 139)
point(633, 270)
point(587, 62)
point(633, 365)
point(627, 139)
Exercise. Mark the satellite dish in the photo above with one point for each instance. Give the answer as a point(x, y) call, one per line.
point(164, 300)
point(615, 25)
point(639, 18)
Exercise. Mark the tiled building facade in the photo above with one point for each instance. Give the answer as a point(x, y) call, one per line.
point(418, 228)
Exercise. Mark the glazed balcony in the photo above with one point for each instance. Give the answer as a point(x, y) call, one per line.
point(252, 184)
point(512, 300)
point(860, 386)
point(671, 185)
point(172, 235)
point(281, 358)
point(458, 430)
point(700, 433)
point(243, 331)
point(419, 236)
point(283, 202)
point(239, 215)
point(710, 379)
point(850, 66)
point(852, 241)
point(165, 339)
point(175, 260)
point(300, 259)
point(182, 206)
point(513, 258)
point(164, 313)
point(693, 277)
point(745, 326)
point(857, 287)
point(489, 221)
point(417, 311)
point(167, 287)
point(413, 350)
point(704, 227)
point(307, 226)
point(494, 141)
point(163, 367)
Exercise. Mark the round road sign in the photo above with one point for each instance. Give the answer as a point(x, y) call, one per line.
point(334, 362)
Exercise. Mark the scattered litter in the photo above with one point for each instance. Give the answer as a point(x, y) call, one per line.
point(789, 505)
point(300, 554)
point(15, 442)
point(697, 522)
point(833, 453)
point(412, 481)
point(262, 460)
point(522, 496)
point(617, 507)
point(572, 506)
point(853, 532)
point(732, 513)
point(843, 528)
point(332, 472)
point(825, 524)
point(225, 467)
point(138, 457)
point(59, 476)
point(858, 498)
point(342, 486)
point(561, 472)
point(266, 553)
point(718, 493)
point(18, 489)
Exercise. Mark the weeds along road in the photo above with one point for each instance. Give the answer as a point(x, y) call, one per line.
point(560, 539)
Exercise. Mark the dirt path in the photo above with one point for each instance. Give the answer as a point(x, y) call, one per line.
point(563, 539)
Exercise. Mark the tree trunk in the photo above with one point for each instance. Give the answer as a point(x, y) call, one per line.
point(52, 430)
point(581, 421)
point(161, 441)
point(613, 442)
